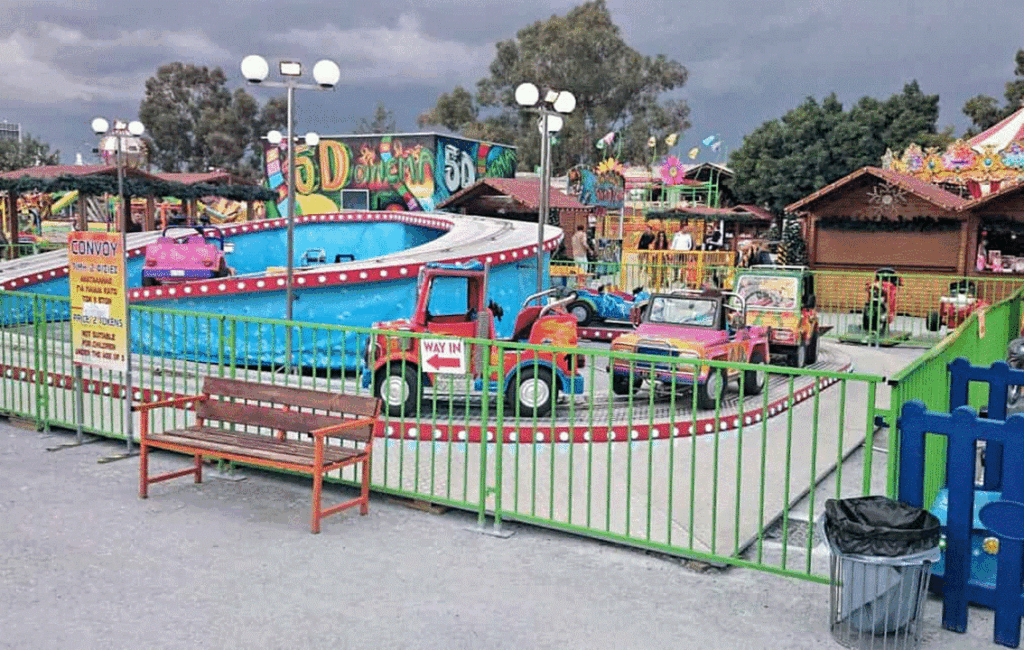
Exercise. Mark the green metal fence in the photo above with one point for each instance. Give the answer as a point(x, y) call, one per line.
point(739, 483)
point(981, 339)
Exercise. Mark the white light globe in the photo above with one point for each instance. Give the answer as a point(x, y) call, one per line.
point(326, 73)
point(100, 126)
point(565, 103)
point(312, 139)
point(527, 94)
point(274, 137)
point(136, 127)
point(555, 123)
point(255, 68)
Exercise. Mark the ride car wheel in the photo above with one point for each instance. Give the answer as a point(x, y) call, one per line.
point(531, 392)
point(711, 391)
point(812, 349)
point(798, 357)
point(874, 319)
point(622, 386)
point(755, 380)
point(581, 311)
point(398, 386)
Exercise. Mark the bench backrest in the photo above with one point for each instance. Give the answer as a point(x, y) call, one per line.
point(276, 407)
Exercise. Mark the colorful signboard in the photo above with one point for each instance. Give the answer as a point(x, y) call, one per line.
point(382, 172)
point(604, 188)
point(99, 315)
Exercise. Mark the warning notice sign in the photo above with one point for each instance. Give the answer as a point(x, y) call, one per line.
point(99, 325)
point(445, 356)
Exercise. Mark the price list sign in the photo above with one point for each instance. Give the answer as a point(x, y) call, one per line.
point(99, 326)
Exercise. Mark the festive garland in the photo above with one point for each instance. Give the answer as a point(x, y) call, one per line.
point(100, 184)
point(915, 224)
point(1001, 224)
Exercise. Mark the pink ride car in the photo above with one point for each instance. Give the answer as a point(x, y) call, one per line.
point(196, 256)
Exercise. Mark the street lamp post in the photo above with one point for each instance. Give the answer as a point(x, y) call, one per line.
point(551, 107)
point(135, 128)
point(326, 73)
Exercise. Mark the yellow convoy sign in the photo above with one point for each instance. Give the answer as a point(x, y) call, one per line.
point(99, 305)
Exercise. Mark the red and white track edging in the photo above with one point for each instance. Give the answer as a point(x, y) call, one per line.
point(474, 433)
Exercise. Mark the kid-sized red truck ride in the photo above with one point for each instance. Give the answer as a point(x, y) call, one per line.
point(400, 367)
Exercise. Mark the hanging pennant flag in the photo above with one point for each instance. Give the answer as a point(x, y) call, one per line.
point(671, 139)
point(651, 141)
point(708, 140)
point(717, 145)
point(606, 140)
point(693, 152)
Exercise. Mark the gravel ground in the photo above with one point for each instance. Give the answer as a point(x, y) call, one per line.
point(86, 564)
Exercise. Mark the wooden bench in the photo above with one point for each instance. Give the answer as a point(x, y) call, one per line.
point(232, 415)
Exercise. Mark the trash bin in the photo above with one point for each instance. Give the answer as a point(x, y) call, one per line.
point(880, 564)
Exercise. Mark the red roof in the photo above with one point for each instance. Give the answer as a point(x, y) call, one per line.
point(55, 171)
point(214, 178)
point(525, 191)
point(761, 213)
point(923, 189)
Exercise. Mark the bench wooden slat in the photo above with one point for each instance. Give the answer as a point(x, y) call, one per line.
point(272, 417)
point(365, 406)
point(253, 445)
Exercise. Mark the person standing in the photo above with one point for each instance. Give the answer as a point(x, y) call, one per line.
point(658, 261)
point(646, 239)
point(581, 247)
point(682, 240)
point(643, 256)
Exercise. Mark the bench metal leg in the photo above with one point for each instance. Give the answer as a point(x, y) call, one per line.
point(364, 507)
point(199, 468)
point(143, 470)
point(318, 481)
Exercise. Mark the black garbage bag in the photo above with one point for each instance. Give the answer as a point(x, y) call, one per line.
point(880, 527)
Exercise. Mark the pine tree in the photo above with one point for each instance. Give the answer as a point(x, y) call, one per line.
point(793, 249)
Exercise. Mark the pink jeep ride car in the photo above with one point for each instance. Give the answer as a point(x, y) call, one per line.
point(686, 324)
point(196, 256)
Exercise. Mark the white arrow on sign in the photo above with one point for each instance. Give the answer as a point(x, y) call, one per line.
point(443, 356)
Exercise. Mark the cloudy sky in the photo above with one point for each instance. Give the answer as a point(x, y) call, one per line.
point(63, 63)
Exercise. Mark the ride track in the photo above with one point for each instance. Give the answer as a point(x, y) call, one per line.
point(605, 418)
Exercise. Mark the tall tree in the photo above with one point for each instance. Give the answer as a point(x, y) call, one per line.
point(816, 144)
point(616, 88)
point(29, 152)
point(383, 121)
point(985, 111)
point(454, 112)
point(194, 122)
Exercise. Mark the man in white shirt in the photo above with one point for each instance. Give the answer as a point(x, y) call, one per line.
point(682, 240)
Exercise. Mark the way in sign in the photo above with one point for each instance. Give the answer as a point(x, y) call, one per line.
point(443, 355)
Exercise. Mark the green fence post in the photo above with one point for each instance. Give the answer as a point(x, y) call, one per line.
point(39, 356)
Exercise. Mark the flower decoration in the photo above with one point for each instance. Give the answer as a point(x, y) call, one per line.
point(672, 171)
point(610, 165)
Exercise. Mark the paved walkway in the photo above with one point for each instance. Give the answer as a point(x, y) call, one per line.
point(85, 564)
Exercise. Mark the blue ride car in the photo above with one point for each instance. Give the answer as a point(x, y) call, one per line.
point(603, 304)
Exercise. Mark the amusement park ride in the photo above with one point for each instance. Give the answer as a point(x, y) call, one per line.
point(708, 325)
point(452, 302)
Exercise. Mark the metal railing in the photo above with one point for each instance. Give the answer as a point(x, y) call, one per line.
point(738, 483)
